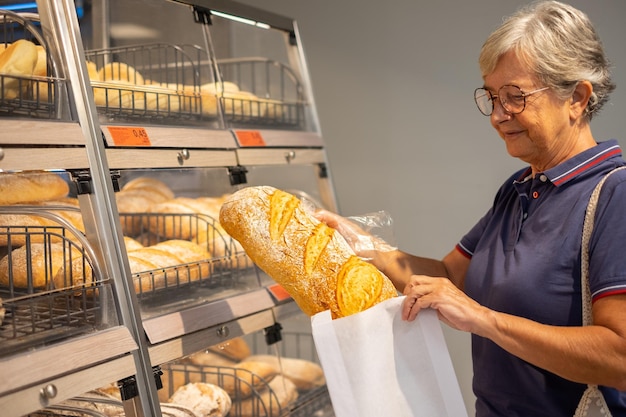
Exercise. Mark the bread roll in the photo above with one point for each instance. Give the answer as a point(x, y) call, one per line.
point(44, 261)
point(144, 279)
point(209, 358)
point(19, 227)
point(189, 253)
point(205, 399)
point(175, 376)
point(119, 71)
point(175, 220)
point(92, 71)
point(310, 260)
point(25, 187)
point(152, 185)
point(132, 244)
point(162, 260)
point(79, 273)
point(18, 59)
point(306, 375)
point(272, 401)
point(132, 204)
point(236, 349)
point(243, 379)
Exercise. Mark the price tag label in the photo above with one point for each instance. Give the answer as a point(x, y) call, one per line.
point(129, 136)
point(278, 292)
point(250, 138)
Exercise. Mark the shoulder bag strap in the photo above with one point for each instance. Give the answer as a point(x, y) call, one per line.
point(592, 397)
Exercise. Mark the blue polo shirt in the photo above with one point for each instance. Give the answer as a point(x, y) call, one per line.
point(525, 260)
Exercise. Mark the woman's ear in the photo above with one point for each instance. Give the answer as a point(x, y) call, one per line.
point(580, 98)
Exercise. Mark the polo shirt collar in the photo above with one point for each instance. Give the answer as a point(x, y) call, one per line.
point(580, 163)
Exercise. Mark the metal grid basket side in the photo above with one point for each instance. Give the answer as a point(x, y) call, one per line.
point(157, 81)
point(270, 94)
point(251, 394)
point(40, 94)
point(44, 296)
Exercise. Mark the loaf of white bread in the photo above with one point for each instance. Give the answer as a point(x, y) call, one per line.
point(312, 261)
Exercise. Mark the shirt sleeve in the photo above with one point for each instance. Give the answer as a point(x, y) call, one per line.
point(607, 255)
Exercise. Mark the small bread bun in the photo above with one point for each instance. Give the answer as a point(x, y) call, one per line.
point(119, 71)
point(92, 71)
point(19, 58)
point(205, 399)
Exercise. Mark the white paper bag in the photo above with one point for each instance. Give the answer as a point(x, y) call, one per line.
point(377, 365)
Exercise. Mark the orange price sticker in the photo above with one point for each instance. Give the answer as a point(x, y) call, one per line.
point(250, 138)
point(129, 136)
point(279, 293)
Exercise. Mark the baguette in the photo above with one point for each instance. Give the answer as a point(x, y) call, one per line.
point(25, 187)
point(312, 261)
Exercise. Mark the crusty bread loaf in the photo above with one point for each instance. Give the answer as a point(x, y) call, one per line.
point(306, 375)
point(18, 59)
point(44, 261)
point(310, 260)
point(25, 187)
point(205, 399)
point(273, 401)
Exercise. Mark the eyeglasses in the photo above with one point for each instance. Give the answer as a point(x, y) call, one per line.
point(512, 99)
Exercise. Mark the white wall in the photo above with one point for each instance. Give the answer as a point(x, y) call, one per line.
point(393, 82)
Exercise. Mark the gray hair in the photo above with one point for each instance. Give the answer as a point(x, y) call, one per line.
point(559, 44)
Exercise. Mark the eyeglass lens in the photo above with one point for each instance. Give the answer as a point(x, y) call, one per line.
point(511, 98)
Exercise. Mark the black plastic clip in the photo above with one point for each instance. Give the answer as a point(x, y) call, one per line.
point(273, 334)
point(237, 175)
point(115, 177)
point(202, 15)
point(128, 386)
point(82, 179)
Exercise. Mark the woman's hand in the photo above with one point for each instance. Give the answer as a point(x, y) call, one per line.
point(453, 307)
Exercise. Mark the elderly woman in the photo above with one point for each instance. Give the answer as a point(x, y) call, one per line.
point(514, 280)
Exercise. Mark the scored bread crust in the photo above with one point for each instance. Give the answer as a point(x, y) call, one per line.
point(313, 262)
